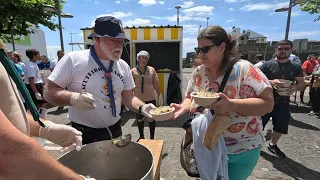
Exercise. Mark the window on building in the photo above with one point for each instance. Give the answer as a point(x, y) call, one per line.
point(248, 33)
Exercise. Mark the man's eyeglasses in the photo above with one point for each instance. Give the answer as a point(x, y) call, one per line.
point(286, 49)
point(204, 49)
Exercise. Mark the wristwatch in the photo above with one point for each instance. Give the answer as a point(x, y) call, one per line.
point(140, 108)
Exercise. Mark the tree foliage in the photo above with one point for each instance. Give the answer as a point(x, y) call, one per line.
point(18, 16)
point(312, 6)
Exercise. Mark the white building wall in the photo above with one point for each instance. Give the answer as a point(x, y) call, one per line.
point(38, 41)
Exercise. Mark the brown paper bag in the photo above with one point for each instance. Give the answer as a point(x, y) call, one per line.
point(316, 84)
point(215, 129)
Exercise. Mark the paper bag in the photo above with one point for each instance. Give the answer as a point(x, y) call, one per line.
point(215, 129)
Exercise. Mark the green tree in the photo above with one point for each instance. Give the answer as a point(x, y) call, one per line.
point(18, 16)
point(312, 6)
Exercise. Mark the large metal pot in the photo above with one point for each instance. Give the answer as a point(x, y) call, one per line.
point(104, 161)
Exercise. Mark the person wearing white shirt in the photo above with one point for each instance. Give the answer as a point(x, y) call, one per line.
point(33, 80)
point(259, 61)
point(53, 63)
point(98, 81)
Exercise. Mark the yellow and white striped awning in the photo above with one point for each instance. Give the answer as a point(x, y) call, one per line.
point(145, 34)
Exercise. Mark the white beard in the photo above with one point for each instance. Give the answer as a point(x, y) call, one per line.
point(109, 53)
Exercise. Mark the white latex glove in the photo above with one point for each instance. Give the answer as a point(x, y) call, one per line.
point(160, 100)
point(82, 100)
point(38, 96)
point(67, 137)
point(145, 110)
point(87, 178)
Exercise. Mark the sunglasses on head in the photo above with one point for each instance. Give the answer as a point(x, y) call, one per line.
point(286, 49)
point(203, 49)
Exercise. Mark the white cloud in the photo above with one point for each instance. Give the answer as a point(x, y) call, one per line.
point(160, 2)
point(234, 1)
point(263, 6)
point(189, 44)
point(229, 21)
point(169, 8)
point(254, 7)
point(117, 14)
point(187, 4)
point(138, 22)
point(231, 9)
point(199, 11)
point(191, 28)
point(303, 34)
point(295, 13)
point(158, 18)
point(117, 2)
point(147, 2)
point(80, 34)
point(96, 2)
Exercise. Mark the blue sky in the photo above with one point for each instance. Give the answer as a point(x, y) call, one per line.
point(256, 15)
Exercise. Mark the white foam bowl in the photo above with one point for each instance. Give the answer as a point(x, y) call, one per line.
point(204, 101)
point(285, 83)
point(162, 116)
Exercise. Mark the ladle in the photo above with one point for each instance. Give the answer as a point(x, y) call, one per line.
point(121, 141)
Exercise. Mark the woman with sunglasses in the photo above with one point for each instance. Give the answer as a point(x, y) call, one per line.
point(246, 96)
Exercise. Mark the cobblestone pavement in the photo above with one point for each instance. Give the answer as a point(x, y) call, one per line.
point(301, 145)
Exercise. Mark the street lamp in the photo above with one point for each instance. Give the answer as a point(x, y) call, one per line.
point(207, 21)
point(61, 14)
point(178, 7)
point(199, 29)
point(292, 3)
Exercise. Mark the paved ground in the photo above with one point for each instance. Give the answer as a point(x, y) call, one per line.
point(302, 147)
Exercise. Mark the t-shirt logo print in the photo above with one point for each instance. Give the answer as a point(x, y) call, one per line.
point(106, 92)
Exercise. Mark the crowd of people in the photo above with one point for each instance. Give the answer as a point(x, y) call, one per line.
point(94, 83)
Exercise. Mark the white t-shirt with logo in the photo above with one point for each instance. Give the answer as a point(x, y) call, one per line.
point(31, 69)
point(79, 72)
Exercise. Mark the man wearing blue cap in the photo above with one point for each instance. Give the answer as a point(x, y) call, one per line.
point(98, 81)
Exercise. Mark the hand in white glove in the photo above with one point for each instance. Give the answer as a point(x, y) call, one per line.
point(160, 100)
point(38, 96)
point(145, 110)
point(67, 137)
point(87, 178)
point(82, 100)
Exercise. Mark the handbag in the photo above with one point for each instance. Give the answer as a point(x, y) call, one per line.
point(316, 83)
point(187, 159)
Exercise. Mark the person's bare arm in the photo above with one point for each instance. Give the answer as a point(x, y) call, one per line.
point(131, 101)
point(23, 158)
point(254, 106)
point(34, 126)
point(33, 85)
point(156, 83)
point(56, 94)
point(300, 83)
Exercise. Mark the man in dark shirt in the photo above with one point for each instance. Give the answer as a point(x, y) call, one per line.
point(44, 64)
point(281, 68)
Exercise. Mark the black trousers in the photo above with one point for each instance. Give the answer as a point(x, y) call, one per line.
point(152, 125)
point(90, 135)
point(315, 99)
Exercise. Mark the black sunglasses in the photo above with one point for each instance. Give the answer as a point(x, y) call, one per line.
point(286, 49)
point(204, 49)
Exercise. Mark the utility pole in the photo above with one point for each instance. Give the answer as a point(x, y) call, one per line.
point(207, 21)
point(71, 40)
